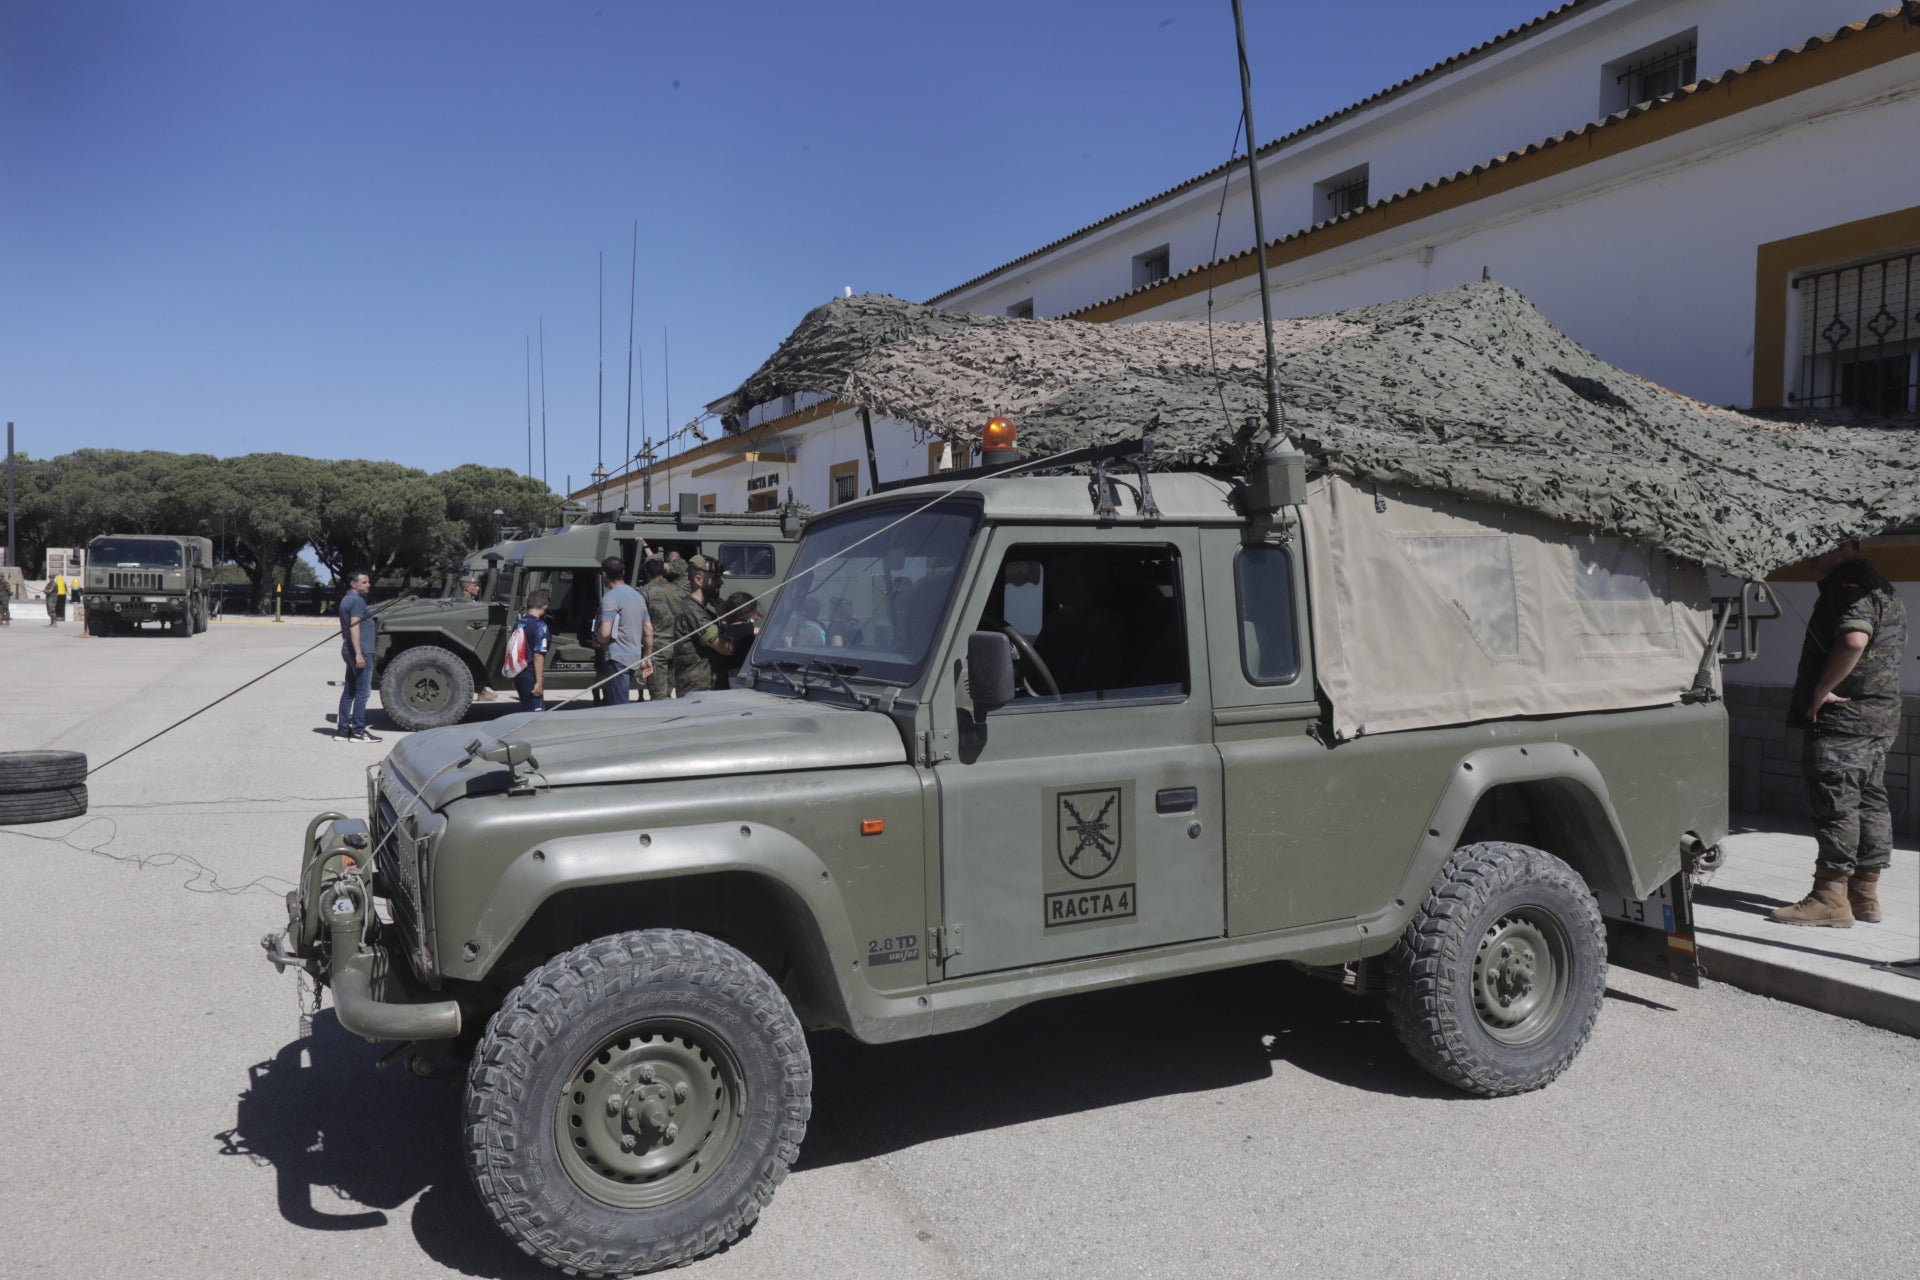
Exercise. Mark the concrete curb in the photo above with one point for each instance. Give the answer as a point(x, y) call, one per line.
point(271, 622)
point(1877, 1005)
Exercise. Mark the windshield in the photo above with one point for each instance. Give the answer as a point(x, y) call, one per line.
point(869, 591)
point(133, 553)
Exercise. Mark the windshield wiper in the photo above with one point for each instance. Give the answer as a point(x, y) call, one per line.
point(787, 671)
point(838, 673)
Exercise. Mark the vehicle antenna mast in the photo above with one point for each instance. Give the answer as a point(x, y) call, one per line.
point(1277, 474)
point(1276, 421)
point(633, 285)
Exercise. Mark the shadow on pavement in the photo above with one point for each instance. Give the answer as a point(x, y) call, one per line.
point(1707, 895)
point(1083, 1053)
point(1627, 997)
point(1784, 945)
point(347, 1141)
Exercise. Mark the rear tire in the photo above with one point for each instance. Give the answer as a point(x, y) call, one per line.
point(635, 1103)
point(426, 687)
point(1496, 982)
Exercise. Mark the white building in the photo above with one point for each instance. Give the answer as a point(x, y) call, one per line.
point(1718, 195)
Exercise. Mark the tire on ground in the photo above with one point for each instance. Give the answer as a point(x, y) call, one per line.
point(582, 1137)
point(21, 807)
point(426, 687)
point(99, 624)
point(41, 770)
point(1496, 982)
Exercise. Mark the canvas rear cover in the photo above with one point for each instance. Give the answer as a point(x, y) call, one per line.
point(1432, 610)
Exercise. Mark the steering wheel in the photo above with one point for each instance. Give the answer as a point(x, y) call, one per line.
point(1031, 669)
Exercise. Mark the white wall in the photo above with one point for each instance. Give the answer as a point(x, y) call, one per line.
point(1650, 264)
point(1536, 87)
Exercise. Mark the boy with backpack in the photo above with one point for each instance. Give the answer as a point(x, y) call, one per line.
point(526, 658)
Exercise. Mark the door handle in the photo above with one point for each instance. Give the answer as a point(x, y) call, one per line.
point(1176, 800)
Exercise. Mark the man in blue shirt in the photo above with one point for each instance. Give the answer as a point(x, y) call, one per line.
point(531, 681)
point(356, 647)
point(624, 630)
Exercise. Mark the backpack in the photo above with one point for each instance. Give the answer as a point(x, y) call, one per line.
point(516, 660)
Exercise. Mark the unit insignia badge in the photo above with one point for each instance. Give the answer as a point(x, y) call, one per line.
point(1089, 831)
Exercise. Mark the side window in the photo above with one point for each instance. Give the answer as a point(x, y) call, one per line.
point(746, 559)
point(1621, 589)
point(1108, 622)
point(1263, 592)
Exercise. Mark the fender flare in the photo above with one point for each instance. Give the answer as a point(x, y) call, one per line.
point(562, 865)
point(1477, 773)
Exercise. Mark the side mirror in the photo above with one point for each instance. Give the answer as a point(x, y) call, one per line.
point(989, 671)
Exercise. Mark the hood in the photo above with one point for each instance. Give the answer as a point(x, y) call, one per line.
point(719, 734)
point(432, 613)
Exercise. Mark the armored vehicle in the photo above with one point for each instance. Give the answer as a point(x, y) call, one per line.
point(432, 654)
point(1063, 733)
point(136, 578)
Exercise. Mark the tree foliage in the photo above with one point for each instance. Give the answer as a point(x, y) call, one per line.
point(262, 509)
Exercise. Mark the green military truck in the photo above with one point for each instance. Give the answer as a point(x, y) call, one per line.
point(431, 655)
point(136, 578)
point(1066, 733)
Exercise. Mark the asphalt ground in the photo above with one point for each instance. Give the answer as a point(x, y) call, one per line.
point(167, 1112)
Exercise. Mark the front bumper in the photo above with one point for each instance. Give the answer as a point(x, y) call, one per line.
point(334, 934)
point(139, 608)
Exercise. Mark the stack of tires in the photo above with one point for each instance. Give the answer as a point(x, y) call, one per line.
point(42, 786)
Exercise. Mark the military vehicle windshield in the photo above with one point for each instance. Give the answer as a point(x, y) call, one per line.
point(869, 591)
point(133, 553)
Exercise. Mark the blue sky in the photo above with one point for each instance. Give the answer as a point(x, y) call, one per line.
point(331, 228)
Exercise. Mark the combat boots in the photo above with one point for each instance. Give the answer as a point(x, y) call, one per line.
point(1825, 905)
point(1863, 896)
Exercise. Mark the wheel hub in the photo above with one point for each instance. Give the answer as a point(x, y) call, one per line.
point(1520, 977)
point(647, 1118)
point(427, 692)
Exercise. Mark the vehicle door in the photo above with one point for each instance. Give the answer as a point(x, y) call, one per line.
point(1084, 817)
point(574, 600)
point(1315, 834)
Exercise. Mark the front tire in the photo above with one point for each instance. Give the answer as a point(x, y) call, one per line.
point(635, 1103)
point(426, 687)
point(1496, 982)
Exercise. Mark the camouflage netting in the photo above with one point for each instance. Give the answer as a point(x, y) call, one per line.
point(1470, 392)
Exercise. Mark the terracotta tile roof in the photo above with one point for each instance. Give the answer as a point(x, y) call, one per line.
point(1525, 29)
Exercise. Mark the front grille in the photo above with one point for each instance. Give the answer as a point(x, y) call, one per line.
point(120, 580)
point(396, 861)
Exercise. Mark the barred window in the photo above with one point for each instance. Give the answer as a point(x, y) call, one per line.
point(1859, 336)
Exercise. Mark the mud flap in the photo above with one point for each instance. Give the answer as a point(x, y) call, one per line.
point(1655, 935)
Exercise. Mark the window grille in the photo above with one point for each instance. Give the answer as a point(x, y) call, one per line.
point(1661, 73)
point(1860, 336)
point(1347, 197)
point(1151, 266)
point(1021, 310)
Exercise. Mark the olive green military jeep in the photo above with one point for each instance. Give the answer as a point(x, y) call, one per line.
point(1005, 738)
point(431, 655)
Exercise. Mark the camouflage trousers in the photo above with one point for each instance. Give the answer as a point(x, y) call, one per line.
point(660, 683)
point(1847, 795)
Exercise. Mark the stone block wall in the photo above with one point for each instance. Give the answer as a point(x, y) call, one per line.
point(1763, 754)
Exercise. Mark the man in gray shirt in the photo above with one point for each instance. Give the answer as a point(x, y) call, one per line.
point(624, 629)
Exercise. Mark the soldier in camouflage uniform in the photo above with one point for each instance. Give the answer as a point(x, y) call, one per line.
point(1846, 697)
point(6, 601)
point(659, 592)
point(700, 651)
